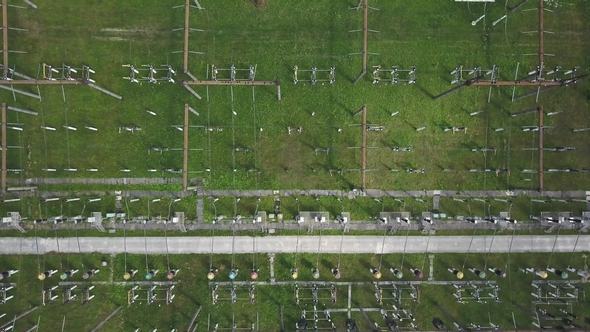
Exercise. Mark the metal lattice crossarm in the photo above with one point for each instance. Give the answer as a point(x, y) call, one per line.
point(7, 80)
point(248, 82)
point(534, 78)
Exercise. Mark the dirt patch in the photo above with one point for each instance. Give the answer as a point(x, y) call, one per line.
point(127, 31)
point(110, 38)
point(258, 3)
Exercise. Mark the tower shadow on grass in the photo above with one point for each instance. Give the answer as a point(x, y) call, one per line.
point(388, 144)
point(426, 92)
point(291, 210)
point(344, 76)
point(369, 210)
point(339, 105)
point(469, 145)
point(411, 125)
point(366, 265)
point(443, 124)
point(327, 264)
point(332, 210)
point(387, 166)
point(189, 296)
point(306, 264)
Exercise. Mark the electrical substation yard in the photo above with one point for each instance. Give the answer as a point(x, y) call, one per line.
point(408, 291)
point(460, 204)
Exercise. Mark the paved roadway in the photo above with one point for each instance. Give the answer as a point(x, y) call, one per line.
point(284, 244)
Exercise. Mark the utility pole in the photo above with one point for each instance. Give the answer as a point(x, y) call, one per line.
point(365, 33)
point(537, 81)
point(5, 37)
point(5, 80)
point(541, 67)
point(541, 130)
point(185, 156)
point(187, 8)
point(541, 31)
point(4, 142)
point(364, 148)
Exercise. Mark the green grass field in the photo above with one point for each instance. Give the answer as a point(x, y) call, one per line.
point(193, 290)
point(434, 37)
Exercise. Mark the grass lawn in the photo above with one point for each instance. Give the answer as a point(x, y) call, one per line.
point(194, 290)
point(434, 37)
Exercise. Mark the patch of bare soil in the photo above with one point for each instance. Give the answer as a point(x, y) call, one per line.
point(258, 3)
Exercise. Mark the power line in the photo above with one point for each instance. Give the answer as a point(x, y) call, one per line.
point(382, 249)
point(405, 245)
point(469, 248)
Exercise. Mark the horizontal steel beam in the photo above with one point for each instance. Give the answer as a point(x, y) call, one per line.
point(39, 82)
point(515, 83)
point(230, 83)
